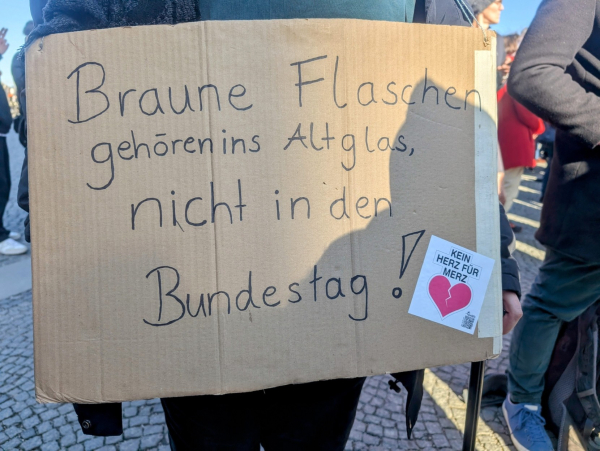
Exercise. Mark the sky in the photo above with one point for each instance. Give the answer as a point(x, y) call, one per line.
point(517, 15)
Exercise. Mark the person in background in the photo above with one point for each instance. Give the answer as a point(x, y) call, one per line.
point(511, 44)
point(556, 75)
point(487, 13)
point(8, 243)
point(17, 69)
point(517, 130)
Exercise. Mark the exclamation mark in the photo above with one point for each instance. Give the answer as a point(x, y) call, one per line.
point(397, 292)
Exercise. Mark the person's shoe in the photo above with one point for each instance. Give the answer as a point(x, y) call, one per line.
point(12, 247)
point(526, 426)
point(14, 235)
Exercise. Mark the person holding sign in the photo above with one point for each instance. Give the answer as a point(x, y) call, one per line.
point(556, 75)
point(308, 416)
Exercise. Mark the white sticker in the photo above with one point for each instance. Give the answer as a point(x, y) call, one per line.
point(451, 286)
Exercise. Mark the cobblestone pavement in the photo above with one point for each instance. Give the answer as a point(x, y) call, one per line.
point(379, 425)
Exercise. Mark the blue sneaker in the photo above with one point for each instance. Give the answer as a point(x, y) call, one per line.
point(526, 426)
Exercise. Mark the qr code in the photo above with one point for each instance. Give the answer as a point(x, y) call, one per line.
point(468, 320)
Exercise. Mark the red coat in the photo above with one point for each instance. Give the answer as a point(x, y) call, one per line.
point(516, 127)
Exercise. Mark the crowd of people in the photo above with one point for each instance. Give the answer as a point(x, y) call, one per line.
point(548, 101)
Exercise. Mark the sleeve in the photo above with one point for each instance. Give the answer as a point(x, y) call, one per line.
point(533, 123)
point(510, 267)
point(100, 419)
point(538, 77)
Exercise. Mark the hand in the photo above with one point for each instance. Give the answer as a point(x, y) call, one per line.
point(501, 194)
point(3, 43)
point(513, 311)
point(505, 69)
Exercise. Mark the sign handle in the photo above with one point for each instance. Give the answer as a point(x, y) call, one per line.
point(473, 405)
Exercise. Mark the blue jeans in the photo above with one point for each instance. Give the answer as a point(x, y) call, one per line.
point(564, 288)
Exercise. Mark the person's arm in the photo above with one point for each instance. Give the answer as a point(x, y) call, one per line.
point(539, 79)
point(530, 120)
point(511, 284)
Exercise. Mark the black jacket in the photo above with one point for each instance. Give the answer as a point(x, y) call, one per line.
point(556, 75)
point(105, 419)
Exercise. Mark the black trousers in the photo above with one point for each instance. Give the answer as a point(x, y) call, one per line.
point(4, 184)
point(306, 417)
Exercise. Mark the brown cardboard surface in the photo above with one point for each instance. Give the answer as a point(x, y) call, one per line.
point(101, 331)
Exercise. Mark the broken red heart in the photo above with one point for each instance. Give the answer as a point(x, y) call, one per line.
point(448, 298)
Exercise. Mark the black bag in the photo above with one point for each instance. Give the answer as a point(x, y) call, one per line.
point(570, 399)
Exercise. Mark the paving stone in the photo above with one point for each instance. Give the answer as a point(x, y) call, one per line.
point(31, 422)
point(26, 413)
point(149, 441)
point(130, 445)
point(157, 419)
point(371, 439)
point(32, 443)
point(153, 429)
point(81, 437)
point(12, 431)
point(433, 427)
point(390, 433)
point(132, 432)
point(375, 429)
point(5, 413)
point(44, 427)
point(440, 441)
point(368, 409)
point(68, 440)
point(51, 446)
point(51, 435)
point(129, 411)
point(28, 433)
point(49, 414)
point(372, 419)
point(140, 419)
point(359, 426)
point(94, 443)
point(13, 443)
point(113, 439)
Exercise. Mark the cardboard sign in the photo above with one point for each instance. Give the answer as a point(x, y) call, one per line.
point(451, 286)
point(229, 206)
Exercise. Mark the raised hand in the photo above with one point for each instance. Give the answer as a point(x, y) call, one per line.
point(3, 43)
